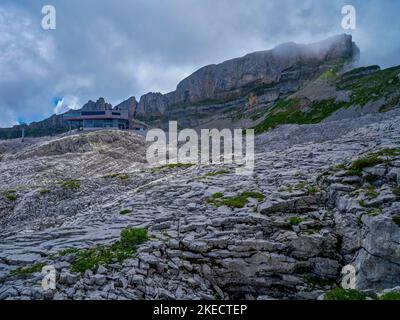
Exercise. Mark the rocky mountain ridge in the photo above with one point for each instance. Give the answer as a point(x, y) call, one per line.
point(280, 71)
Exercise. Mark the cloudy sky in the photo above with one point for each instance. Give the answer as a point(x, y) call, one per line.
point(116, 49)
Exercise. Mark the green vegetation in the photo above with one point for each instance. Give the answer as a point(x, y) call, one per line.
point(295, 221)
point(374, 212)
point(371, 160)
point(396, 191)
point(44, 191)
point(92, 258)
point(364, 88)
point(390, 104)
point(371, 87)
point(395, 295)
point(353, 173)
point(365, 162)
point(133, 236)
point(175, 165)
point(388, 152)
point(396, 220)
point(216, 173)
point(371, 192)
point(355, 73)
point(310, 189)
point(37, 267)
point(240, 201)
point(343, 294)
point(11, 195)
point(338, 167)
point(121, 176)
point(290, 112)
point(68, 251)
point(217, 195)
point(300, 185)
point(328, 75)
point(125, 211)
point(371, 178)
point(72, 184)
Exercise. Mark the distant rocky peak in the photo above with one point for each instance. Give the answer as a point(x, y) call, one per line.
point(100, 104)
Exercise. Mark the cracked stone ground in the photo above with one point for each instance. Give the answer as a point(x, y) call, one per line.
point(306, 219)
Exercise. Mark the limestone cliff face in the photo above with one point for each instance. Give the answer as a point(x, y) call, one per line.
point(283, 69)
point(230, 78)
point(130, 104)
point(152, 104)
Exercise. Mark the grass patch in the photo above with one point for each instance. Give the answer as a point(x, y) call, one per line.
point(312, 189)
point(396, 191)
point(44, 191)
point(290, 112)
point(337, 167)
point(67, 251)
point(353, 173)
point(217, 173)
point(121, 176)
point(217, 195)
point(133, 236)
point(328, 75)
point(390, 104)
point(388, 152)
point(295, 221)
point(300, 185)
point(364, 88)
point(92, 258)
point(72, 184)
point(37, 267)
point(125, 211)
point(365, 162)
point(11, 195)
point(371, 192)
point(374, 212)
point(240, 201)
point(395, 295)
point(175, 166)
point(371, 178)
point(372, 159)
point(396, 220)
point(371, 87)
point(343, 294)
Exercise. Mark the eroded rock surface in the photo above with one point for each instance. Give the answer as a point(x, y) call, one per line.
point(315, 218)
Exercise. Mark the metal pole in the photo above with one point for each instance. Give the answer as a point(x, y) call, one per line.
point(23, 134)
